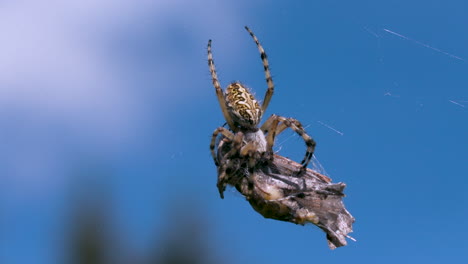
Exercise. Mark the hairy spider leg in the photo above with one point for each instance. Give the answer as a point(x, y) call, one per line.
point(224, 178)
point(275, 125)
point(226, 133)
point(266, 67)
point(219, 90)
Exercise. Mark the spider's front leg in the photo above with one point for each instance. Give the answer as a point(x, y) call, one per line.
point(277, 124)
point(266, 67)
point(218, 89)
point(228, 159)
point(226, 133)
point(223, 178)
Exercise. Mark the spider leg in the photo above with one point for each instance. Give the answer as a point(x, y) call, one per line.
point(219, 91)
point(270, 127)
point(225, 176)
point(222, 182)
point(235, 146)
point(298, 128)
point(268, 123)
point(250, 150)
point(226, 172)
point(266, 67)
point(226, 133)
point(277, 124)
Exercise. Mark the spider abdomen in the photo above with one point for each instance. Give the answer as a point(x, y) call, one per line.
point(243, 106)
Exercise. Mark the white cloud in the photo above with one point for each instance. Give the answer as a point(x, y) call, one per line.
point(59, 86)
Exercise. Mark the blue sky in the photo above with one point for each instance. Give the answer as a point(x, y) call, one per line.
point(112, 101)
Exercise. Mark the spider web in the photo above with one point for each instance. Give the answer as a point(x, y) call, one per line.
point(291, 137)
point(385, 35)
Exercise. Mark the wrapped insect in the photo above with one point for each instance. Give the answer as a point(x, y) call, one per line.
point(278, 188)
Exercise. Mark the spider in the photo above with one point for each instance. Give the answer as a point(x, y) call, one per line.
point(243, 113)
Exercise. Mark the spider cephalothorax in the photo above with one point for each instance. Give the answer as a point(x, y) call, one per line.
point(242, 113)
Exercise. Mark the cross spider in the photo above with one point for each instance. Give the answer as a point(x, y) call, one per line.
point(243, 113)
